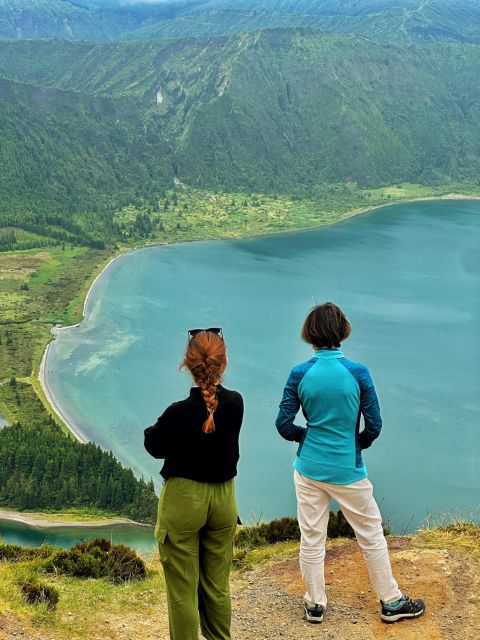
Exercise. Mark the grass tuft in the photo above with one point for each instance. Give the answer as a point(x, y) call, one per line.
point(40, 593)
point(16, 553)
point(453, 531)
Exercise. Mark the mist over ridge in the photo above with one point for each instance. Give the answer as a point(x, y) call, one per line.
point(104, 20)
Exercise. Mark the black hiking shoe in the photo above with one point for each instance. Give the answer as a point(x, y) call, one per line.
point(314, 614)
point(406, 608)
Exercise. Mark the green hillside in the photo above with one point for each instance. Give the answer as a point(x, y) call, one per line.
point(68, 153)
point(91, 127)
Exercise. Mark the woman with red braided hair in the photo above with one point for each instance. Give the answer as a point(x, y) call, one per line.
point(197, 511)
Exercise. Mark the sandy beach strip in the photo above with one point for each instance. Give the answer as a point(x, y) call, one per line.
point(77, 433)
point(119, 255)
point(54, 405)
point(43, 521)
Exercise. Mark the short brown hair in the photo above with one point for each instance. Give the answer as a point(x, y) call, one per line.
point(326, 326)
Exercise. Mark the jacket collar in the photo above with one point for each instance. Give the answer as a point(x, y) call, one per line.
point(328, 354)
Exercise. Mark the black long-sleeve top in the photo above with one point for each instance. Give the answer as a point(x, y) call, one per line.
point(190, 453)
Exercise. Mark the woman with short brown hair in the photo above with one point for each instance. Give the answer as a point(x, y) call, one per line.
point(334, 393)
point(197, 511)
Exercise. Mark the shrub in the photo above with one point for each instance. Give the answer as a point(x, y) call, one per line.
point(39, 592)
point(124, 564)
point(79, 564)
point(338, 526)
point(99, 544)
point(287, 529)
point(16, 553)
point(99, 559)
point(282, 530)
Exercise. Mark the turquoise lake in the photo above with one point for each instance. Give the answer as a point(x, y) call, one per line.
point(140, 538)
point(407, 276)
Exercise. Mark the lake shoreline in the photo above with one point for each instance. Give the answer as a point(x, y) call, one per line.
point(54, 405)
point(42, 520)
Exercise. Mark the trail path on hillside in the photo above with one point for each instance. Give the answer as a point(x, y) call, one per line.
point(267, 601)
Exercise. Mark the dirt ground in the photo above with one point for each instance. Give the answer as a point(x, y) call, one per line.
point(267, 601)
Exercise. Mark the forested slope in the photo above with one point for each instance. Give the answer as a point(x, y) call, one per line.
point(69, 152)
point(42, 467)
point(89, 127)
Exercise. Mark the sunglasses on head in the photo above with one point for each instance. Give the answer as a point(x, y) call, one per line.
point(217, 330)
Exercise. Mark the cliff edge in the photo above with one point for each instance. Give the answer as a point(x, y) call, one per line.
point(442, 566)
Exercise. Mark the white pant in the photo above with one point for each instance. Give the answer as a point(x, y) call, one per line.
point(361, 511)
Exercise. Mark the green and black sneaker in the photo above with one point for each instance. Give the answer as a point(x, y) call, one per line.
point(402, 609)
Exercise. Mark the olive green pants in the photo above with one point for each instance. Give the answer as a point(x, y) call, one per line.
point(195, 530)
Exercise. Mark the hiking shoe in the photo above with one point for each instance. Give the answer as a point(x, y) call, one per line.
point(406, 608)
point(314, 614)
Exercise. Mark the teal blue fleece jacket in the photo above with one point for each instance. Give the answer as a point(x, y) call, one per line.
point(334, 393)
